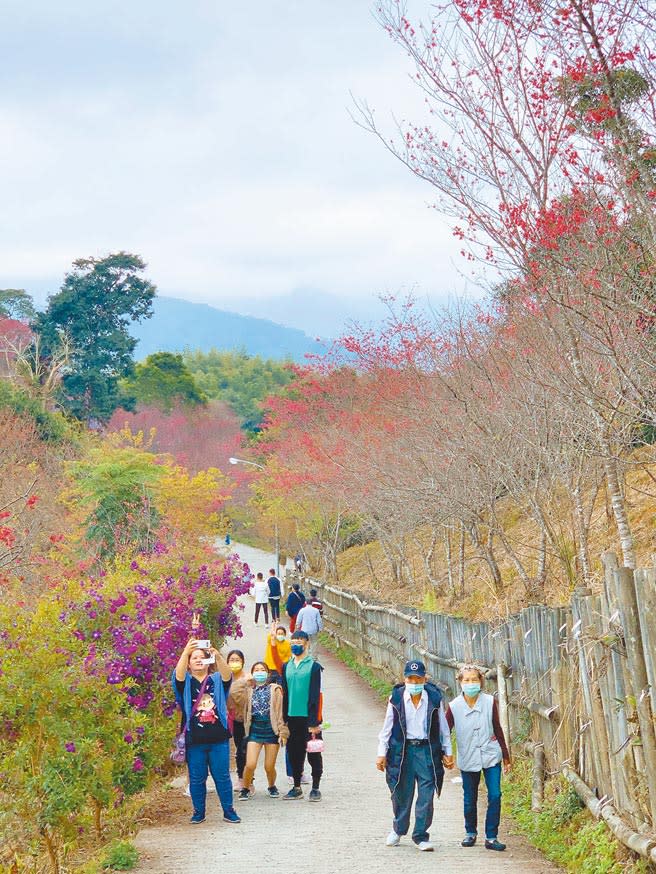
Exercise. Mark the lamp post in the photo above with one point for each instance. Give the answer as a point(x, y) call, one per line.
point(234, 460)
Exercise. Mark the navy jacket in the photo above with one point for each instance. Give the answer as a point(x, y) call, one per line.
point(396, 748)
point(274, 587)
point(295, 600)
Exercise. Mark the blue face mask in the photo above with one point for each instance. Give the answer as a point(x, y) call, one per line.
point(297, 648)
point(471, 689)
point(414, 688)
point(260, 676)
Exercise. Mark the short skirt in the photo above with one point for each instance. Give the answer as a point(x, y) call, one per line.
point(261, 731)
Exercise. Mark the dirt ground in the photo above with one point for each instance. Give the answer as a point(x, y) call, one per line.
point(346, 831)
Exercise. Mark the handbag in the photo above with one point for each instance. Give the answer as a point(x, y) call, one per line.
point(178, 754)
point(315, 745)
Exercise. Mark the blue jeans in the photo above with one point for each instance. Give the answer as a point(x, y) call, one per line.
point(470, 781)
point(417, 768)
point(214, 758)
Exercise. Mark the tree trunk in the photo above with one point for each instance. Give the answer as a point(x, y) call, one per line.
point(461, 560)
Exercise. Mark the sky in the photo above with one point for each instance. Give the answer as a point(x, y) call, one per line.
point(215, 140)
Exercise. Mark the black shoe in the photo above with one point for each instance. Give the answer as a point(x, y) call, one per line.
point(197, 817)
point(495, 845)
point(314, 795)
point(245, 794)
point(468, 841)
point(273, 792)
point(294, 793)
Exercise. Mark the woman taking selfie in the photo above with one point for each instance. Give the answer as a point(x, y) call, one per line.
point(201, 682)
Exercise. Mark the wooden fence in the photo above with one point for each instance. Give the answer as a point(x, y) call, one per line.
point(574, 684)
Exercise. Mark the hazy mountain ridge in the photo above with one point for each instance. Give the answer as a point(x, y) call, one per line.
point(178, 324)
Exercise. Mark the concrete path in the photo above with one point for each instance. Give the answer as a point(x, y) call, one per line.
point(346, 831)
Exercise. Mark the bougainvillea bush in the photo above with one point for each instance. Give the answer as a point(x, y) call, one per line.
point(85, 692)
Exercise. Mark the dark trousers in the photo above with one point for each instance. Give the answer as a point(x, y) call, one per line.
point(296, 749)
point(417, 769)
point(238, 735)
point(275, 608)
point(214, 758)
point(470, 783)
point(266, 612)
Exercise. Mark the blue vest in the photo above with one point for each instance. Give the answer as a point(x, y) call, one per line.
point(396, 748)
point(218, 694)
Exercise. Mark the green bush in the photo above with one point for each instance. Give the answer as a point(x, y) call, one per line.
point(121, 856)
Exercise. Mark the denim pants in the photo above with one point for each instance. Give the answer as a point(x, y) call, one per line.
point(470, 782)
point(417, 768)
point(214, 758)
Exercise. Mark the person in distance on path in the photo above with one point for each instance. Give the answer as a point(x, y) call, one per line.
point(301, 685)
point(414, 747)
point(261, 595)
point(275, 593)
point(295, 600)
point(309, 620)
point(481, 748)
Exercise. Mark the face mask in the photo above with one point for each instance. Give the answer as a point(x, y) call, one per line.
point(471, 689)
point(235, 668)
point(297, 648)
point(280, 636)
point(414, 688)
point(260, 676)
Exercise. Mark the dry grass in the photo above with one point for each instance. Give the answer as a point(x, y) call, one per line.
point(365, 569)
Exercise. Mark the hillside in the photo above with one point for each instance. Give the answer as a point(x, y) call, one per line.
point(365, 568)
point(178, 325)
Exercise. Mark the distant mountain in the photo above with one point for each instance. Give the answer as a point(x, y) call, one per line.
point(178, 325)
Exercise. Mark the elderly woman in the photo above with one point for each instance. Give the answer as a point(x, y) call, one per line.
point(481, 750)
point(201, 682)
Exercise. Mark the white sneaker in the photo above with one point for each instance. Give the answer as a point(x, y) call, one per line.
point(305, 779)
point(392, 839)
point(290, 780)
point(425, 846)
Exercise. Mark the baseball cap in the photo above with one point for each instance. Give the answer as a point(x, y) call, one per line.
point(414, 669)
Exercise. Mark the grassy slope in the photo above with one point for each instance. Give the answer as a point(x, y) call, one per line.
point(365, 568)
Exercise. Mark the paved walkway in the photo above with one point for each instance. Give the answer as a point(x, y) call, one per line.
point(346, 831)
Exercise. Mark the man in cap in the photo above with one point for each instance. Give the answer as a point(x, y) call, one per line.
point(414, 746)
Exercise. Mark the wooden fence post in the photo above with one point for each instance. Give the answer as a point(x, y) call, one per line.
point(632, 637)
point(503, 702)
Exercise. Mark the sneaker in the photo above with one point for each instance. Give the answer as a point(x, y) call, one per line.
point(273, 792)
point(290, 780)
point(245, 794)
point(294, 793)
point(305, 779)
point(468, 841)
point(314, 795)
point(197, 817)
point(231, 815)
point(425, 846)
point(392, 839)
point(495, 845)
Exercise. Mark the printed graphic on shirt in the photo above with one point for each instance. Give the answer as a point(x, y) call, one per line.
point(206, 710)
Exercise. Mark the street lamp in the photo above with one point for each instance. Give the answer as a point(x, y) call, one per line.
point(234, 460)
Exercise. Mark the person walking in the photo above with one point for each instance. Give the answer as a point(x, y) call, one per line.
point(261, 595)
point(275, 592)
point(414, 747)
point(482, 748)
point(295, 600)
point(237, 700)
point(201, 696)
point(302, 705)
point(314, 600)
point(310, 621)
point(265, 727)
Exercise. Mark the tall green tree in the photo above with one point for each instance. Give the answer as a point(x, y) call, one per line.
point(162, 379)
point(93, 310)
point(16, 303)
